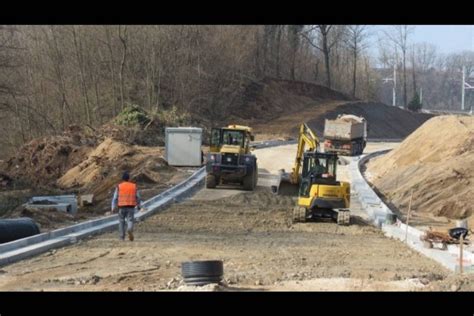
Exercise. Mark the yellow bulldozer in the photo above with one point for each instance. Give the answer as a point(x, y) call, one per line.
point(229, 160)
point(313, 180)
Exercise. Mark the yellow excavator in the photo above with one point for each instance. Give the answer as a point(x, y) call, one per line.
point(313, 180)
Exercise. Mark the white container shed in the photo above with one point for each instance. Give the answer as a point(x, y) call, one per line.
point(183, 146)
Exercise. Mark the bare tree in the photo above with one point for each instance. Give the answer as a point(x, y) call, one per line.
point(413, 69)
point(108, 43)
point(357, 34)
point(123, 40)
point(277, 49)
point(294, 42)
point(84, 75)
point(398, 35)
point(327, 36)
point(57, 56)
point(80, 61)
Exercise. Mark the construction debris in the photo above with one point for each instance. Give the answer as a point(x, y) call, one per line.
point(430, 237)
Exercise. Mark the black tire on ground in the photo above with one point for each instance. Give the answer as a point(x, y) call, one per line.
point(17, 228)
point(202, 272)
point(210, 181)
point(249, 181)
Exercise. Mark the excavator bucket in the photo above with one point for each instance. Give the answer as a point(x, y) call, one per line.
point(284, 186)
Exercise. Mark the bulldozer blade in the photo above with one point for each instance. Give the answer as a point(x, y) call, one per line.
point(287, 189)
point(285, 186)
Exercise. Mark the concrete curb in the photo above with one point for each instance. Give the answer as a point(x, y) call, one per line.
point(27, 247)
point(30, 246)
point(378, 210)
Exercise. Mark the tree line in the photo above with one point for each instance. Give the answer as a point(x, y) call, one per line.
point(54, 76)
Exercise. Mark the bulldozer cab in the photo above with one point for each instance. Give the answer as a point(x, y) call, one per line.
point(318, 168)
point(233, 136)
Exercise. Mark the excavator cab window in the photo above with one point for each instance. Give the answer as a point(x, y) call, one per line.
point(325, 167)
point(319, 168)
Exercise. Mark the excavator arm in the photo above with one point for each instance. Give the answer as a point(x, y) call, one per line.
point(306, 139)
point(288, 183)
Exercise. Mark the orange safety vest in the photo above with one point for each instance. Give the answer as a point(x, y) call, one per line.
point(127, 194)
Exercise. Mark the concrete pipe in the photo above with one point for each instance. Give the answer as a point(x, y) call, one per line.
point(17, 228)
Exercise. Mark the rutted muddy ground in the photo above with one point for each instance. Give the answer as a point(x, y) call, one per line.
point(252, 234)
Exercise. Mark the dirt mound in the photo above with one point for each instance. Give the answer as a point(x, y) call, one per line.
point(383, 121)
point(276, 108)
point(152, 135)
point(272, 97)
point(134, 125)
point(437, 163)
point(42, 161)
point(102, 168)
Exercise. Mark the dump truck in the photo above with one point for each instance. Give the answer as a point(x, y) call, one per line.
point(313, 179)
point(346, 135)
point(230, 160)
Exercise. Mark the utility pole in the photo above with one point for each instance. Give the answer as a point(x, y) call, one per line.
point(421, 96)
point(394, 85)
point(462, 86)
point(394, 79)
point(465, 86)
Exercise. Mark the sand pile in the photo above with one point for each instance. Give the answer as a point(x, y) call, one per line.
point(101, 170)
point(437, 163)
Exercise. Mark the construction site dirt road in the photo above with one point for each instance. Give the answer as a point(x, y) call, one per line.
point(253, 235)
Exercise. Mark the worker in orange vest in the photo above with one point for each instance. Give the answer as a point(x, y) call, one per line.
point(126, 199)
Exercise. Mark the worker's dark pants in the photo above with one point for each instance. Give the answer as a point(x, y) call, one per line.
point(126, 213)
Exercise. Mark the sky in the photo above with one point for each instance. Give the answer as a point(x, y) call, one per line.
point(448, 38)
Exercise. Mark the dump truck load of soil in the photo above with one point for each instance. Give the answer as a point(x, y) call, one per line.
point(437, 163)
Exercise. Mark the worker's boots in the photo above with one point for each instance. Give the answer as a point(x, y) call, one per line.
point(130, 236)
